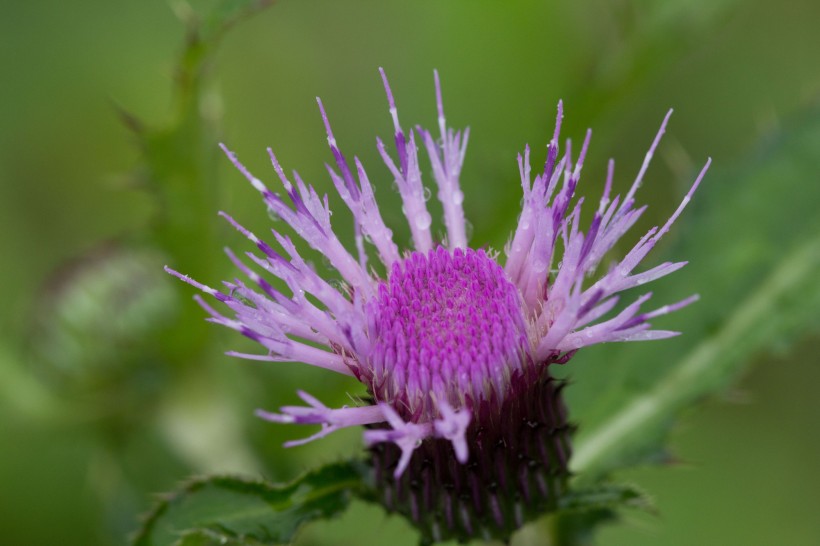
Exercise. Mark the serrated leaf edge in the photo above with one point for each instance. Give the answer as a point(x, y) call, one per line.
point(164, 501)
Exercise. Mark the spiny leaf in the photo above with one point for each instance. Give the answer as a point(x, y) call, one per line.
point(583, 510)
point(753, 242)
point(236, 511)
point(605, 496)
point(580, 512)
point(207, 538)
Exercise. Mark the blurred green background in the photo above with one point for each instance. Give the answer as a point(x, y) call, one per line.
point(103, 401)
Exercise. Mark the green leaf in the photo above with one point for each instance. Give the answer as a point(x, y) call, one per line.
point(207, 538)
point(578, 528)
point(605, 496)
point(235, 511)
point(581, 511)
point(753, 241)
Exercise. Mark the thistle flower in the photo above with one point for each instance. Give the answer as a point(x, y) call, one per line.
point(467, 430)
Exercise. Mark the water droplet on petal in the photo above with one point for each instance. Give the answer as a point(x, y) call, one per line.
point(458, 197)
point(423, 220)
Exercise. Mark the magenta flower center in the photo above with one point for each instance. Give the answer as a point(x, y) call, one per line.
point(449, 328)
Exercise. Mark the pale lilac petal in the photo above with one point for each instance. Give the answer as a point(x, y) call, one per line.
point(452, 426)
point(407, 176)
point(360, 200)
point(406, 435)
point(599, 332)
point(647, 159)
point(309, 218)
point(447, 157)
point(317, 413)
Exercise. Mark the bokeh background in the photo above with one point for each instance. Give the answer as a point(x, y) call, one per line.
point(113, 389)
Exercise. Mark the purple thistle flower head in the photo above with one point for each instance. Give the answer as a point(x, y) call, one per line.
point(467, 430)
